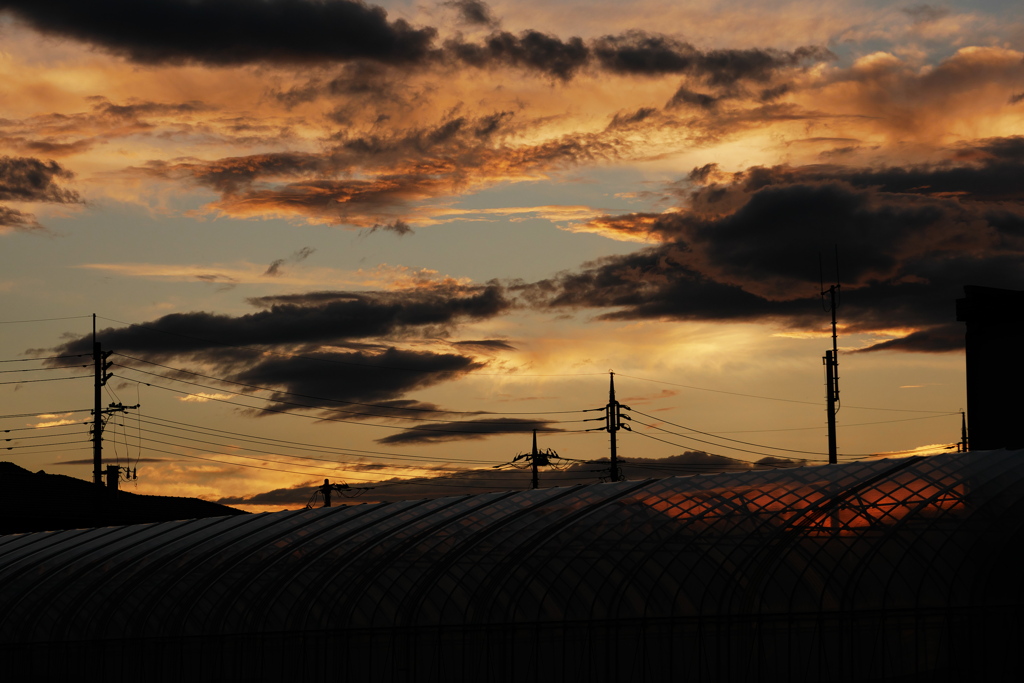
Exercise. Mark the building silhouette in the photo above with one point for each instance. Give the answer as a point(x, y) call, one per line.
point(995, 373)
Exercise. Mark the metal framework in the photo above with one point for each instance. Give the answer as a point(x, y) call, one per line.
point(876, 570)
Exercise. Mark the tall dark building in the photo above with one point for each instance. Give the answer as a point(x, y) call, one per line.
point(995, 372)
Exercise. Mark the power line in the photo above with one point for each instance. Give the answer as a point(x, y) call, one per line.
point(58, 367)
point(321, 418)
point(276, 452)
point(61, 443)
point(63, 450)
point(723, 438)
point(415, 482)
point(708, 453)
point(334, 360)
point(845, 425)
point(774, 398)
point(48, 412)
point(22, 429)
point(25, 360)
point(323, 398)
point(687, 436)
point(48, 379)
point(38, 436)
point(43, 320)
point(718, 391)
point(300, 445)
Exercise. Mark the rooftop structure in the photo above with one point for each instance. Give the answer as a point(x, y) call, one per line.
point(879, 570)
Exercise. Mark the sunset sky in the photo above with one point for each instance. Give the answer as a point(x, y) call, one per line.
point(416, 231)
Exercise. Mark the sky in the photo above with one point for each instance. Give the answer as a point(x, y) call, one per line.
point(384, 243)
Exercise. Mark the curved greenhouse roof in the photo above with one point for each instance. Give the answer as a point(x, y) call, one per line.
point(875, 570)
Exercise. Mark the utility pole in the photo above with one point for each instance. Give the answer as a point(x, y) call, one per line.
point(613, 423)
point(537, 459)
point(963, 445)
point(101, 365)
point(831, 363)
point(328, 488)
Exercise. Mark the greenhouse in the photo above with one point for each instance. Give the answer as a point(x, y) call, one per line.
point(877, 570)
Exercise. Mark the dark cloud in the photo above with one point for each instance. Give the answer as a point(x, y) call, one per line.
point(983, 171)
point(748, 248)
point(640, 52)
point(685, 96)
point(227, 32)
point(16, 220)
point(632, 53)
point(938, 339)
point(25, 179)
point(358, 84)
point(531, 50)
point(772, 94)
point(624, 120)
point(324, 380)
point(467, 430)
point(224, 282)
point(287, 497)
point(473, 12)
point(319, 352)
point(274, 269)
point(486, 344)
point(398, 226)
point(139, 109)
point(302, 320)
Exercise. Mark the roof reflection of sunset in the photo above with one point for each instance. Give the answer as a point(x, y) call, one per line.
point(810, 507)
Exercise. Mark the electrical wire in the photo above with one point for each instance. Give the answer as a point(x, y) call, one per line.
point(687, 436)
point(844, 425)
point(48, 412)
point(723, 438)
point(58, 367)
point(48, 379)
point(39, 436)
point(415, 482)
point(62, 450)
point(363, 424)
point(773, 398)
point(771, 465)
point(275, 452)
point(43, 320)
point(322, 398)
point(338, 410)
point(316, 448)
point(23, 429)
point(335, 361)
point(61, 443)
